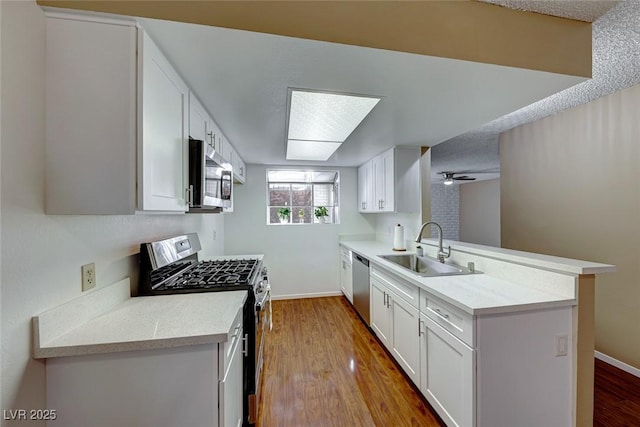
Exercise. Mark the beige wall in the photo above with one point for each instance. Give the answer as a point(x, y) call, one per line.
point(570, 186)
point(469, 30)
point(480, 212)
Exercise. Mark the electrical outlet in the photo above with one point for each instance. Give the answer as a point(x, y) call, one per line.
point(562, 343)
point(88, 276)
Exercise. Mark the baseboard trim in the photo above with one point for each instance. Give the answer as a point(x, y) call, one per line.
point(299, 296)
point(618, 364)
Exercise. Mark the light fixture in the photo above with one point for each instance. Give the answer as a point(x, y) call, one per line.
point(319, 122)
point(448, 181)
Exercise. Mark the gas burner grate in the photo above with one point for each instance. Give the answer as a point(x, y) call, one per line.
point(212, 274)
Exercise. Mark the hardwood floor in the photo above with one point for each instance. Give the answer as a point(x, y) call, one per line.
point(616, 397)
point(324, 368)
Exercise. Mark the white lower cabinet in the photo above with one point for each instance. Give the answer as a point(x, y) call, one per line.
point(488, 370)
point(197, 385)
point(380, 314)
point(230, 398)
point(395, 323)
point(447, 373)
point(346, 274)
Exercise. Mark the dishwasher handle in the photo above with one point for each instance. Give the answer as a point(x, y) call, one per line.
point(361, 259)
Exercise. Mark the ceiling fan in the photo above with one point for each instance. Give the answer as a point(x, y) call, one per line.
point(449, 177)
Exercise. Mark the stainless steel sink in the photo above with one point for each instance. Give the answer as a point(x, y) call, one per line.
point(427, 266)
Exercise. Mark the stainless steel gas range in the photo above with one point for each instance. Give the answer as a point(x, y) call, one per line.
point(171, 266)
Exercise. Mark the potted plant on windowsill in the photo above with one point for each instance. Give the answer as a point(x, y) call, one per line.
point(283, 214)
point(321, 213)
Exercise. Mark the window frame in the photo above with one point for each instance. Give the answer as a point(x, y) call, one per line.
point(292, 215)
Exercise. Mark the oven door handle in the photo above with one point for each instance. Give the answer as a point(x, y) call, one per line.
point(264, 296)
point(245, 342)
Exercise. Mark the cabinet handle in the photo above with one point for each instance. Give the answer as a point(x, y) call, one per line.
point(384, 298)
point(189, 195)
point(441, 314)
point(241, 170)
point(235, 334)
point(420, 331)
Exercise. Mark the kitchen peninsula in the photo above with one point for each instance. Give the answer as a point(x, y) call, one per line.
point(505, 344)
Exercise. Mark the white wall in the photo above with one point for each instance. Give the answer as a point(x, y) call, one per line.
point(42, 254)
point(480, 212)
point(303, 260)
point(386, 222)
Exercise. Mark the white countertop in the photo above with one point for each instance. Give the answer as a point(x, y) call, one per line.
point(142, 323)
point(476, 294)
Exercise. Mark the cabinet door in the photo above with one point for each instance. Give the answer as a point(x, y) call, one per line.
point(383, 181)
point(380, 313)
point(447, 374)
point(228, 153)
point(378, 182)
point(198, 119)
point(365, 188)
point(239, 169)
point(346, 279)
point(405, 343)
point(162, 153)
point(387, 181)
point(91, 124)
point(215, 136)
point(230, 397)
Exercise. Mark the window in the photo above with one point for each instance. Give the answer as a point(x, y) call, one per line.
point(294, 196)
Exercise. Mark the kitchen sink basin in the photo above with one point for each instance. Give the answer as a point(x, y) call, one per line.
point(427, 266)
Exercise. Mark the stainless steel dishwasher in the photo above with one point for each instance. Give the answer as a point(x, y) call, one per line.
point(361, 286)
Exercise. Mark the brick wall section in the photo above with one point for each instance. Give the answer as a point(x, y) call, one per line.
point(445, 210)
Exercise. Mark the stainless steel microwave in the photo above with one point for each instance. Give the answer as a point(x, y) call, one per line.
point(210, 179)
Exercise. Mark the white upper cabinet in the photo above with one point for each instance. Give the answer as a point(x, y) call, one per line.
point(365, 187)
point(202, 126)
point(116, 120)
point(162, 153)
point(239, 169)
point(199, 127)
point(390, 182)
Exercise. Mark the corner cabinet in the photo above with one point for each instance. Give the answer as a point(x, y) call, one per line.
point(390, 182)
point(116, 120)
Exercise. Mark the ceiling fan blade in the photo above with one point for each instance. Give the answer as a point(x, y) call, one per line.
point(463, 178)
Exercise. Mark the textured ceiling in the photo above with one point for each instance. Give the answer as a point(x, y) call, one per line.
point(587, 11)
point(616, 65)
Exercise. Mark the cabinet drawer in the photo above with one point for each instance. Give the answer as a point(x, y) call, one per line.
point(234, 337)
point(451, 318)
point(406, 290)
point(346, 254)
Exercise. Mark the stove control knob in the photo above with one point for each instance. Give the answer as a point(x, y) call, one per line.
point(264, 271)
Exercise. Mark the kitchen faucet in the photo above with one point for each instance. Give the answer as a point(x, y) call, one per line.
point(441, 253)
